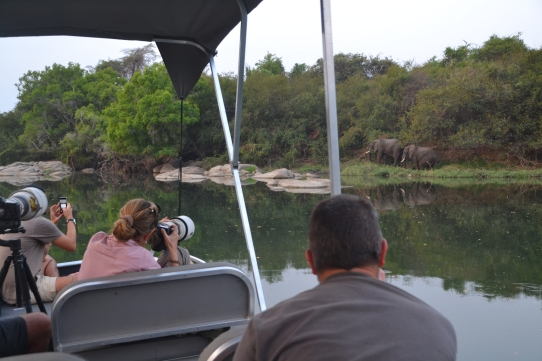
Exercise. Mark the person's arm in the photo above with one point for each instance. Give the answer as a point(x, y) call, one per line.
point(171, 244)
point(68, 241)
point(62, 282)
point(38, 328)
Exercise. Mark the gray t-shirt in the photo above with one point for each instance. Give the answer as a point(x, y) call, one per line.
point(350, 316)
point(39, 232)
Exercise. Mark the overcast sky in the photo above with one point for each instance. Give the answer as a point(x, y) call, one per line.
point(402, 30)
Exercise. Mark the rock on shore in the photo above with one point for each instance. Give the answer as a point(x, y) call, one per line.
point(23, 173)
point(277, 180)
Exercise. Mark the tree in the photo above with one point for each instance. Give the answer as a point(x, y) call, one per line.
point(137, 59)
point(48, 102)
point(298, 69)
point(270, 64)
point(134, 60)
point(146, 118)
point(11, 149)
point(206, 137)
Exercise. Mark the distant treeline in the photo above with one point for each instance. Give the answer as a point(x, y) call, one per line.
point(485, 99)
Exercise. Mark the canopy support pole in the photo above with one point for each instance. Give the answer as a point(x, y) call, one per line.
point(221, 108)
point(233, 147)
point(331, 99)
point(235, 159)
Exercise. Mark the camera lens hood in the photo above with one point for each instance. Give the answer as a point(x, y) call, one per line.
point(32, 202)
point(189, 228)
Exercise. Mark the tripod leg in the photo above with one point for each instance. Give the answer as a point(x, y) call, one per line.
point(4, 271)
point(33, 287)
point(20, 277)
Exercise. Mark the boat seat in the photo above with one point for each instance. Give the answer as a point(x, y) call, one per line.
point(119, 314)
point(223, 347)
point(44, 356)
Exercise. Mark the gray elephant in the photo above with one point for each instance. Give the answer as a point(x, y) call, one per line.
point(386, 147)
point(422, 157)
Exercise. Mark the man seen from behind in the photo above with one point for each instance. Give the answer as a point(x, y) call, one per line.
point(352, 314)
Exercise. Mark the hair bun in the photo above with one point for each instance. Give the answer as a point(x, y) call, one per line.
point(128, 218)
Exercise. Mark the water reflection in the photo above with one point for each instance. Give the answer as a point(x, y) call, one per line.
point(389, 197)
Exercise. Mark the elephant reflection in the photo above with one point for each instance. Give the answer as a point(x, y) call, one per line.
point(387, 198)
point(418, 194)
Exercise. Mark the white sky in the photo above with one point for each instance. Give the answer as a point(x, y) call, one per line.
point(403, 30)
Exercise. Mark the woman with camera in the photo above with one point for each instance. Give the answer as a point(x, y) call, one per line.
point(124, 250)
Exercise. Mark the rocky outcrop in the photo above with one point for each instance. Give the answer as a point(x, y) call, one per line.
point(321, 186)
point(167, 168)
point(282, 173)
point(193, 170)
point(22, 173)
point(282, 180)
point(245, 170)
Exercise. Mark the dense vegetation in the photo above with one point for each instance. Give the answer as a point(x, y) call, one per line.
point(483, 101)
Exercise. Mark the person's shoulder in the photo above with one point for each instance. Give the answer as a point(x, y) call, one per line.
point(303, 301)
point(98, 237)
point(39, 223)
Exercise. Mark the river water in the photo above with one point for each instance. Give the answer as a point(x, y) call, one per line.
point(470, 249)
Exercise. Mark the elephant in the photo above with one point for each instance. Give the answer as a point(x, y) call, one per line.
point(385, 147)
point(422, 157)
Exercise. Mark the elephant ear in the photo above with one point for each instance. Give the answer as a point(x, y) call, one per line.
point(411, 149)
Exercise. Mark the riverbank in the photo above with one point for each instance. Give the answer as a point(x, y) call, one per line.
point(367, 169)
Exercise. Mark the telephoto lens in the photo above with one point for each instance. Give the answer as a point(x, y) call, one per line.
point(185, 227)
point(32, 202)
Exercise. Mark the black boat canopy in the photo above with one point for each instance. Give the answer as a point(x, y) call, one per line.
point(202, 22)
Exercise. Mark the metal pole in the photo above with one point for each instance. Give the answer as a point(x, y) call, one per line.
point(221, 108)
point(248, 238)
point(235, 160)
point(331, 99)
point(233, 150)
point(240, 83)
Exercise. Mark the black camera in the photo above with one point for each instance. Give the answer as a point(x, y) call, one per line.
point(185, 227)
point(10, 215)
point(21, 205)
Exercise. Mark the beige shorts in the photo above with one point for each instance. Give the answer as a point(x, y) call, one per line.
point(46, 288)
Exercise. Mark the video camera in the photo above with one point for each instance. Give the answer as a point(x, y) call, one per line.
point(22, 205)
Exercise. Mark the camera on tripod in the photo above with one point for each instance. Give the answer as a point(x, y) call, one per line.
point(22, 205)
